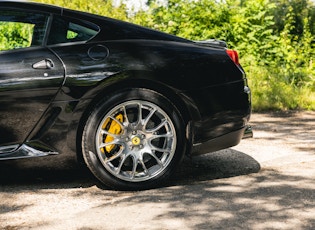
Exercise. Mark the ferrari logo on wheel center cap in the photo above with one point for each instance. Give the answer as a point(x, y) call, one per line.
point(136, 141)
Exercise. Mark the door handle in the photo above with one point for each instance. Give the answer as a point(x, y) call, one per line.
point(44, 64)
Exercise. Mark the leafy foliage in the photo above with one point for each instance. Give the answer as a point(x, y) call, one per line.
point(100, 7)
point(15, 35)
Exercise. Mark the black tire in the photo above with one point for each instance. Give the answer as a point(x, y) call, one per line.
point(128, 148)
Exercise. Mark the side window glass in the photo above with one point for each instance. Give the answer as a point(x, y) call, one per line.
point(21, 29)
point(64, 30)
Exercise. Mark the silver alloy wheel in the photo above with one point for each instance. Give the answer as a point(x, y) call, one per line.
point(136, 141)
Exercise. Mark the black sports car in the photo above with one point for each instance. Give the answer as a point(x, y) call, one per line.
point(127, 101)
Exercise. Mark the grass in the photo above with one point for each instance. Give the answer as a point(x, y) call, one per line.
point(271, 90)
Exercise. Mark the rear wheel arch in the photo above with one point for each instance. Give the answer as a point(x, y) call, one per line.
point(188, 112)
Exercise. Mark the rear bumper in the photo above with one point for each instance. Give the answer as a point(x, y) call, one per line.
point(222, 142)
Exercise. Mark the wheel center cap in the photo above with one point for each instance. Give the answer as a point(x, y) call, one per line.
point(136, 141)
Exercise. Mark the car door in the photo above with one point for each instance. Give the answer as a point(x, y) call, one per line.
point(30, 74)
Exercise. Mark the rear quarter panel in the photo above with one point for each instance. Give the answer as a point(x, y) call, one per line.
point(205, 79)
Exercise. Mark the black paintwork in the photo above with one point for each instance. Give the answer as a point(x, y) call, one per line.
point(44, 107)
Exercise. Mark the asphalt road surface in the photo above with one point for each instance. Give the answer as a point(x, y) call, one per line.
point(266, 182)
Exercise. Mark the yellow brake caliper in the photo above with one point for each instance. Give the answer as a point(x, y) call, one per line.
point(112, 127)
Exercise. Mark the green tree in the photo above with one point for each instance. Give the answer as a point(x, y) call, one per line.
point(100, 7)
point(300, 9)
point(196, 20)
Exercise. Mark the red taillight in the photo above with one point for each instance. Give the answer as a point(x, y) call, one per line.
point(234, 56)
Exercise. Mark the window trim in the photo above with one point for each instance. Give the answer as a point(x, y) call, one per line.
point(49, 24)
point(80, 22)
point(46, 26)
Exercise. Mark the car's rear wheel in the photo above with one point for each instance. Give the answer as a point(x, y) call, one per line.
point(133, 139)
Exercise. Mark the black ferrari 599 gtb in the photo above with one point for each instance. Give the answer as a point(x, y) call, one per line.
point(127, 101)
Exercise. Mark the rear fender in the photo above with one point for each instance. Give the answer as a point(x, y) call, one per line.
point(124, 81)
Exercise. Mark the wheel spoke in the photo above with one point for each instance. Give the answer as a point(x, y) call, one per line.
point(126, 116)
point(122, 161)
point(139, 114)
point(116, 120)
point(152, 154)
point(115, 156)
point(114, 142)
point(144, 167)
point(154, 148)
point(134, 167)
point(166, 135)
point(147, 119)
point(110, 134)
point(158, 127)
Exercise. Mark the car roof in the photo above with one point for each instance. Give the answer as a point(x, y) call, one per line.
point(28, 5)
